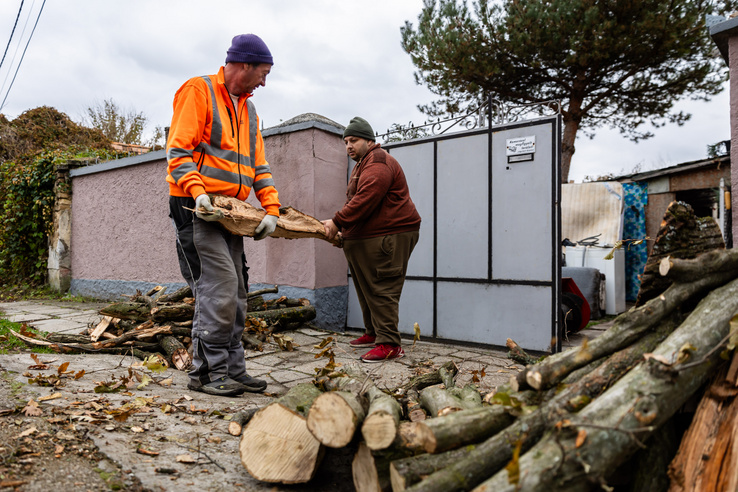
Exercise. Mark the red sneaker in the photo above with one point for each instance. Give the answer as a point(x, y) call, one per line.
point(363, 341)
point(383, 352)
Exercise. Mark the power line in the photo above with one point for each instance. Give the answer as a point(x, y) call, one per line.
point(12, 32)
point(23, 55)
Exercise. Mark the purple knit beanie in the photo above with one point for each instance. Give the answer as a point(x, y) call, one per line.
point(248, 48)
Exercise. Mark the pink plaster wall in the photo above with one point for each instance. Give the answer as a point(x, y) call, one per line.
point(120, 226)
point(733, 56)
point(121, 229)
point(309, 168)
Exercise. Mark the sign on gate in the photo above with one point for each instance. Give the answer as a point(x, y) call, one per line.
point(487, 265)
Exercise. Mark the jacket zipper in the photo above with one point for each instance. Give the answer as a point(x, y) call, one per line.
point(237, 136)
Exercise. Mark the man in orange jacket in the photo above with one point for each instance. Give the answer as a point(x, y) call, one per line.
point(215, 146)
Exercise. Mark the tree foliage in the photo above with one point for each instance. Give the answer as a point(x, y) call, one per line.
point(617, 63)
point(30, 147)
point(118, 126)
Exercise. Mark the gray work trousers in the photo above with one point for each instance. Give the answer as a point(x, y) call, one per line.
point(213, 262)
point(378, 266)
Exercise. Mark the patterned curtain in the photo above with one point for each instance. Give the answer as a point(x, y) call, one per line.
point(634, 228)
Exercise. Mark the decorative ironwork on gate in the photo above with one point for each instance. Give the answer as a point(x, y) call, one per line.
point(490, 112)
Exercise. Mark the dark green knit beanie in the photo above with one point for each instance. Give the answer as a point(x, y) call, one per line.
point(359, 127)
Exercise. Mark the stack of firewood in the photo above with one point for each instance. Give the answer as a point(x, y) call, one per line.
point(159, 326)
point(611, 412)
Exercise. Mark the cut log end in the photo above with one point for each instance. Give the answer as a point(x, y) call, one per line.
point(277, 447)
point(364, 471)
point(332, 420)
point(664, 266)
point(379, 430)
point(534, 379)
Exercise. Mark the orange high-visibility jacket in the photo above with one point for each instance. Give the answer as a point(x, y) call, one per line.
point(214, 147)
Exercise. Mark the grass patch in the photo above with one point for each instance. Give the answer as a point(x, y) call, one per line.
point(10, 344)
point(24, 292)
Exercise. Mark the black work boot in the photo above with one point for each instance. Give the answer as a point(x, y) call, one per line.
point(223, 386)
point(252, 385)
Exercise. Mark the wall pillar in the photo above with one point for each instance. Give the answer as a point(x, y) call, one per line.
point(59, 264)
point(310, 167)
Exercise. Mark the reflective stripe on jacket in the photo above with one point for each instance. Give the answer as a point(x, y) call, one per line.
point(214, 147)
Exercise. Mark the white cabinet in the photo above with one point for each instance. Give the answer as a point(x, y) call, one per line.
point(614, 271)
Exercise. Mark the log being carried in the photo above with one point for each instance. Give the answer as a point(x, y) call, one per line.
point(242, 218)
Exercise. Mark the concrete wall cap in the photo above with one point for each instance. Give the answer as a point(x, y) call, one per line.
point(305, 121)
point(119, 163)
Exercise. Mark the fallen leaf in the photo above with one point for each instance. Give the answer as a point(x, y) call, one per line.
point(62, 368)
point(147, 452)
point(186, 458)
point(137, 429)
point(581, 437)
point(32, 409)
point(50, 397)
point(27, 432)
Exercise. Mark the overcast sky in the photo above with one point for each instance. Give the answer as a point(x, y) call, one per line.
point(337, 58)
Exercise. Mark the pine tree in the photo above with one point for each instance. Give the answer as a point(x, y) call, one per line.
point(616, 63)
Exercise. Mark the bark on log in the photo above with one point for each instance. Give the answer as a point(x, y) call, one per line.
point(242, 218)
point(301, 314)
point(267, 290)
point(176, 296)
point(370, 470)
point(583, 453)
point(173, 312)
point(130, 335)
point(239, 419)
point(496, 452)
point(689, 270)
point(467, 426)
point(681, 235)
point(127, 310)
point(255, 304)
point(67, 338)
point(334, 418)
point(707, 458)
point(519, 355)
point(176, 352)
point(276, 445)
point(251, 342)
point(438, 401)
point(406, 472)
point(627, 328)
point(413, 410)
point(429, 379)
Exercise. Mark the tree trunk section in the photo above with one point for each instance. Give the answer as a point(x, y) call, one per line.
point(334, 418)
point(461, 428)
point(370, 472)
point(276, 445)
point(176, 352)
point(494, 453)
point(627, 328)
point(127, 310)
point(382, 419)
point(708, 455)
point(284, 316)
point(406, 472)
point(628, 413)
point(681, 235)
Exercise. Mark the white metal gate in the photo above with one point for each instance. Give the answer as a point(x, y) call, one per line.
point(487, 265)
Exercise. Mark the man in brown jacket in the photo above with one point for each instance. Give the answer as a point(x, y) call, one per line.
point(380, 227)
